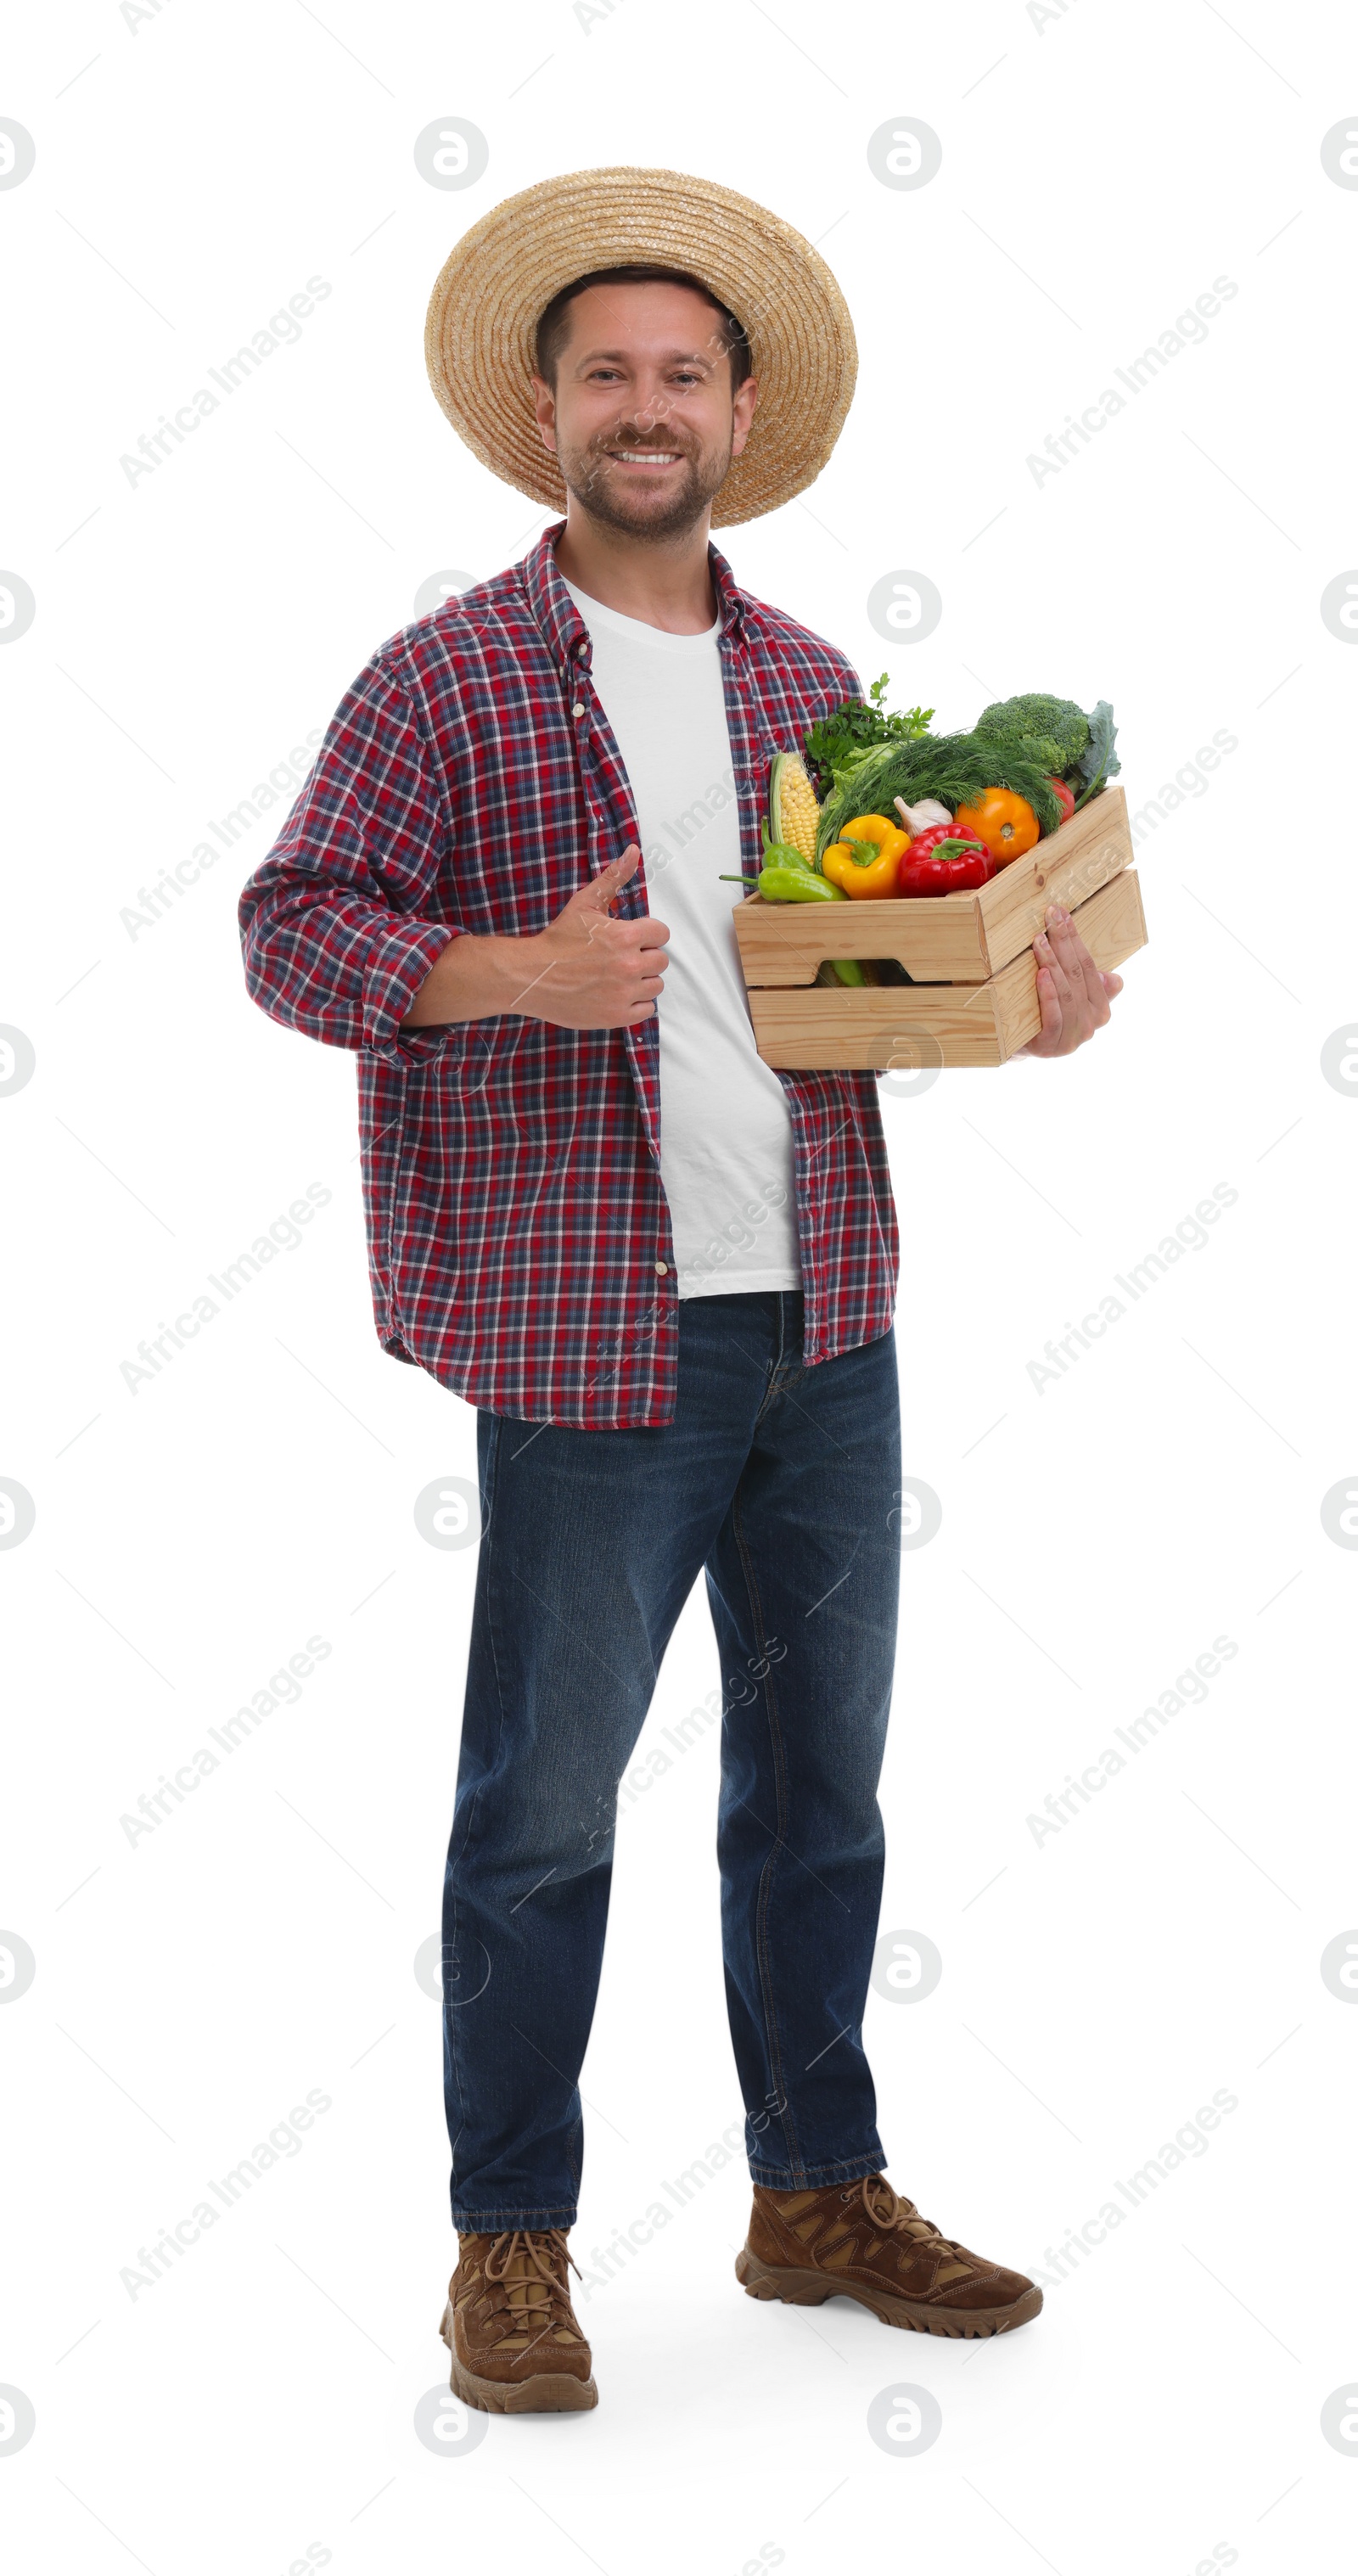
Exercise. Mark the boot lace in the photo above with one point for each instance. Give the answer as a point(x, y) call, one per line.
point(527, 2268)
point(888, 2210)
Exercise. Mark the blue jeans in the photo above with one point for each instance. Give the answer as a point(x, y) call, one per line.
point(782, 1483)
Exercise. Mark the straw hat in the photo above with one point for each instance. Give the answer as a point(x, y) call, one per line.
point(480, 329)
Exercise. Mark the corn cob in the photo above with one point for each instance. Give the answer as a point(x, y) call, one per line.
point(793, 811)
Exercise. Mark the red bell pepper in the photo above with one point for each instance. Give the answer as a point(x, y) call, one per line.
point(944, 861)
point(1065, 797)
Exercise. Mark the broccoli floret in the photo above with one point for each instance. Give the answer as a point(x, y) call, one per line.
point(1050, 731)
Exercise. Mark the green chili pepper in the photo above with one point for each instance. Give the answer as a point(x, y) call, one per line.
point(781, 882)
point(782, 854)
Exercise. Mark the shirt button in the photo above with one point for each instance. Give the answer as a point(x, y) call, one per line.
point(577, 710)
point(662, 1269)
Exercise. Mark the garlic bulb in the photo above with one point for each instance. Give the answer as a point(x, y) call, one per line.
point(921, 817)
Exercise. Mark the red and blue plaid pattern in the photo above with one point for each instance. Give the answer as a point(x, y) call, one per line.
point(517, 1226)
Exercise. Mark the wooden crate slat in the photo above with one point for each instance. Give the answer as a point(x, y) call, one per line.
point(1086, 853)
point(946, 1024)
point(784, 943)
point(1112, 925)
point(935, 1024)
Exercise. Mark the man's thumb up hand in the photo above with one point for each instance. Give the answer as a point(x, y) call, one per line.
point(591, 972)
point(599, 893)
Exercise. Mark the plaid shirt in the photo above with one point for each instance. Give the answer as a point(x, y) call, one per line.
point(519, 1238)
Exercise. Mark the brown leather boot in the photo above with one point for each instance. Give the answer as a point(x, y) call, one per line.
point(510, 2327)
point(862, 2242)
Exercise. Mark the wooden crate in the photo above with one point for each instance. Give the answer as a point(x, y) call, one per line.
point(943, 939)
point(909, 1026)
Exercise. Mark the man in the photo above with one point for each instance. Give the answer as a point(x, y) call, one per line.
point(662, 1273)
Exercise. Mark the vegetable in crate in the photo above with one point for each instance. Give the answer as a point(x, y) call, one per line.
point(922, 817)
point(945, 861)
point(786, 880)
point(1098, 762)
point(954, 768)
point(793, 811)
point(1059, 736)
point(855, 727)
point(865, 857)
point(1051, 731)
point(786, 877)
point(1005, 822)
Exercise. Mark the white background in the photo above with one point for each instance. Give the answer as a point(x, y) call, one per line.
point(1098, 173)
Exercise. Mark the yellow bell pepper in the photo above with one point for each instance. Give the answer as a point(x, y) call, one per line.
point(854, 868)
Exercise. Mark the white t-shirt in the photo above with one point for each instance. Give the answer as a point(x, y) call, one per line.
point(725, 1128)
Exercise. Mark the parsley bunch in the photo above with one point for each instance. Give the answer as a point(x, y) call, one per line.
point(859, 725)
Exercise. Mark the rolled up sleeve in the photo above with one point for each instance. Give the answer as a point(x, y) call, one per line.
point(339, 923)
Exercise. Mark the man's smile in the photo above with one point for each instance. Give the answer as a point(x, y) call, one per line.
point(649, 457)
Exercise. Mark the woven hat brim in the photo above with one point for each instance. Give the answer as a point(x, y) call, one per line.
point(479, 335)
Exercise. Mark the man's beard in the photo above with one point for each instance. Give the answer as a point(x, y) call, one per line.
point(597, 484)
